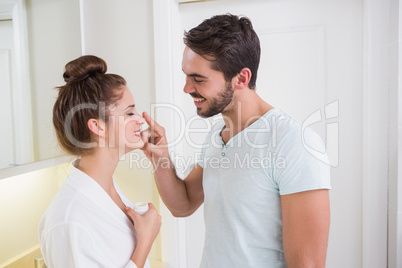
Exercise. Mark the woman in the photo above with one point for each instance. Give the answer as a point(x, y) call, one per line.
point(90, 223)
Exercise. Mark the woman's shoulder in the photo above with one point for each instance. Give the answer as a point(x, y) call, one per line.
point(69, 206)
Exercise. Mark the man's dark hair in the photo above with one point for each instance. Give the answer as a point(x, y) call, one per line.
point(229, 42)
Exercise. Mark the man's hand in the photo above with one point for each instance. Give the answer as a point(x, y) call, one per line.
point(155, 142)
point(182, 197)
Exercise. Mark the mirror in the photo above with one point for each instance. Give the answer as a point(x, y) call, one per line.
point(37, 39)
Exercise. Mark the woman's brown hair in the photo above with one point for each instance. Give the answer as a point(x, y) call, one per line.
point(87, 94)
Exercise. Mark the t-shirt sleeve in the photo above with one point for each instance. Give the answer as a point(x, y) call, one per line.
point(303, 163)
point(70, 245)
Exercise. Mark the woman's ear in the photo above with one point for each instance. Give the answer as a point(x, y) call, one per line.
point(97, 127)
point(242, 78)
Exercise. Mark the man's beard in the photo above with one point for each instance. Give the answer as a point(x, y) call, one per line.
point(218, 104)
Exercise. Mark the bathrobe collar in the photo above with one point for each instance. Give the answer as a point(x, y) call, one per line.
point(89, 188)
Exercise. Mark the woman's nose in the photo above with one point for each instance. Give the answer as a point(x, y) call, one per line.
point(140, 120)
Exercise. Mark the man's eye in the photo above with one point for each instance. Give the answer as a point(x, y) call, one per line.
point(198, 81)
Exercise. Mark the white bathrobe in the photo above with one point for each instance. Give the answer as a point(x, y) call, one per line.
point(83, 227)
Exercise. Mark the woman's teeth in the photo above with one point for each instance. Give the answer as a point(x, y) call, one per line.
point(137, 133)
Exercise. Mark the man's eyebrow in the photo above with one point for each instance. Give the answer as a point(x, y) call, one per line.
point(198, 76)
point(195, 75)
point(130, 106)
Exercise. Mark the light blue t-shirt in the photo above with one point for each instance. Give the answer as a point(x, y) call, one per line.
point(243, 181)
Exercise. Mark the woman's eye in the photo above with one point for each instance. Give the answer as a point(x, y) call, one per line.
point(131, 114)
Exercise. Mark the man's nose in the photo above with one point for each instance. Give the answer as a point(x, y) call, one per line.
point(188, 87)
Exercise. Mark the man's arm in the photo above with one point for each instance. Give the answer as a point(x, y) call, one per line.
point(305, 219)
point(182, 197)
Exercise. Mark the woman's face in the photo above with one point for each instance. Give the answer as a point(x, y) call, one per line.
point(126, 123)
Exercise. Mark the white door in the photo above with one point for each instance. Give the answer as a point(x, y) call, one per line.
point(7, 158)
point(312, 66)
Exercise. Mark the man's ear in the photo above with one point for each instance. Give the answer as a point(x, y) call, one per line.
point(97, 127)
point(243, 78)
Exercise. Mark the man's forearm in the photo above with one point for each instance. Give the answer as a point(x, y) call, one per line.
point(171, 188)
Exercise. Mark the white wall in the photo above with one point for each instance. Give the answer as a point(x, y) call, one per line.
point(121, 33)
point(54, 40)
point(23, 200)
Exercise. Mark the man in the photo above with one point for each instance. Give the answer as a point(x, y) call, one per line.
point(266, 200)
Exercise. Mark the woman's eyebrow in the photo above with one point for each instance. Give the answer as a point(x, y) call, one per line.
point(130, 106)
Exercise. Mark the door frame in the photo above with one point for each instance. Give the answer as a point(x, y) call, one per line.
point(21, 87)
point(167, 40)
point(395, 138)
point(375, 177)
point(167, 70)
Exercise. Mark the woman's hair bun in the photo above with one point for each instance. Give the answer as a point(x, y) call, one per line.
point(84, 67)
